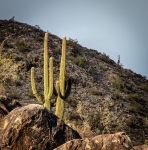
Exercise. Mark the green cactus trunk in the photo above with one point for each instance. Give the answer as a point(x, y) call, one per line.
point(46, 81)
point(60, 102)
point(48, 86)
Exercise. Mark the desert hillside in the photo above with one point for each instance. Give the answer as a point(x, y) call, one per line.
point(105, 97)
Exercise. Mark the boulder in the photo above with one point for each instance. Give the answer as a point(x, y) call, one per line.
point(33, 127)
point(141, 147)
point(6, 105)
point(117, 141)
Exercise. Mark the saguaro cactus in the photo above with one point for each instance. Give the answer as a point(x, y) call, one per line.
point(48, 84)
point(60, 85)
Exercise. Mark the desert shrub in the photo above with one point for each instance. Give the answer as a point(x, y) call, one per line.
point(118, 84)
point(146, 142)
point(4, 44)
point(136, 106)
point(129, 73)
point(95, 122)
point(132, 97)
point(57, 49)
point(94, 91)
point(2, 89)
point(74, 116)
point(80, 61)
point(144, 86)
point(102, 66)
point(72, 43)
point(8, 55)
point(131, 123)
point(71, 101)
point(13, 95)
point(17, 58)
point(38, 38)
point(21, 45)
point(116, 95)
point(104, 57)
point(8, 71)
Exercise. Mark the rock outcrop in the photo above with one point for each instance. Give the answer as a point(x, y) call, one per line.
point(118, 141)
point(33, 127)
point(141, 147)
point(7, 105)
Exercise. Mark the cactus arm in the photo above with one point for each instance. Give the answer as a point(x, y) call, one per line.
point(67, 89)
point(2, 44)
point(33, 85)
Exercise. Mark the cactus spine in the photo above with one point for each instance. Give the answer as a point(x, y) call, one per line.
point(33, 85)
point(48, 86)
point(60, 85)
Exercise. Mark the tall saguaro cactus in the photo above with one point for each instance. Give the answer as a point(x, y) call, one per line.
point(63, 87)
point(60, 87)
point(48, 84)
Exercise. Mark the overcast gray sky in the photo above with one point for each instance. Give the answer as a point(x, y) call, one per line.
point(115, 27)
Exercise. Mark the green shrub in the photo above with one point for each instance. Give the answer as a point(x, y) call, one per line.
point(134, 97)
point(104, 57)
point(2, 45)
point(13, 95)
point(22, 46)
point(144, 86)
point(72, 43)
point(146, 142)
point(72, 102)
point(118, 84)
point(74, 116)
point(57, 49)
point(131, 123)
point(102, 66)
point(78, 61)
point(116, 95)
point(94, 91)
point(8, 55)
point(95, 122)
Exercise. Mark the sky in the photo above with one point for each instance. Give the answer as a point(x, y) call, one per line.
point(114, 27)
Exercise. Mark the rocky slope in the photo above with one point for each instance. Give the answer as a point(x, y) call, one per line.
point(105, 97)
